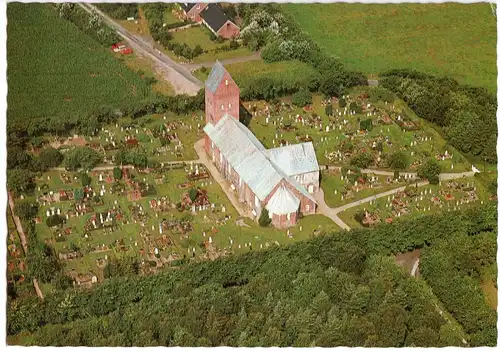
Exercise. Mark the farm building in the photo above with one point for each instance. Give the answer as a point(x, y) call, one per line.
point(192, 10)
point(213, 17)
point(280, 179)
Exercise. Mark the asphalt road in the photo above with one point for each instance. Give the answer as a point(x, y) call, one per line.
point(179, 76)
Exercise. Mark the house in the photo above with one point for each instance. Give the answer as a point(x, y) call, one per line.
point(214, 18)
point(281, 179)
point(192, 10)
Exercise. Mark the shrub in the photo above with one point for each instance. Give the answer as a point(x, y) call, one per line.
point(342, 103)
point(362, 160)
point(302, 98)
point(264, 220)
point(193, 194)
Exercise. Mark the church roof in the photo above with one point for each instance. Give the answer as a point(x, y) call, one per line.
point(249, 158)
point(283, 202)
point(215, 77)
point(295, 159)
point(245, 154)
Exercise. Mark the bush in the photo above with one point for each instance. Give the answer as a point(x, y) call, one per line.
point(54, 220)
point(398, 160)
point(193, 194)
point(302, 98)
point(264, 220)
point(84, 177)
point(342, 103)
point(366, 124)
point(362, 160)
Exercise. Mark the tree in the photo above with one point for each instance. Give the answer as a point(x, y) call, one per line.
point(342, 103)
point(42, 263)
point(17, 158)
point(26, 209)
point(20, 181)
point(264, 220)
point(85, 178)
point(117, 173)
point(81, 158)
point(429, 170)
point(302, 98)
point(398, 160)
point(50, 157)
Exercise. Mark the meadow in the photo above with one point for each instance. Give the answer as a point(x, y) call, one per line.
point(244, 72)
point(458, 40)
point(57, 71)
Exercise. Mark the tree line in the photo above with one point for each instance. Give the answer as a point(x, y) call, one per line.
point(332, 290)
point(467, 115)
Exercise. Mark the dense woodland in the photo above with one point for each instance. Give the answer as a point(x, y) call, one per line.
point(340, 289)
point(467, 115)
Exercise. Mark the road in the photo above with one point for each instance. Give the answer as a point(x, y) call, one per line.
point(178, 75)
point(24, 242)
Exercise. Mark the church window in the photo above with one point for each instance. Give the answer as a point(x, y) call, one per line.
point(307, 208)
point(229, 105)
point(222, 107)
point(227, 82)
point(288, 216)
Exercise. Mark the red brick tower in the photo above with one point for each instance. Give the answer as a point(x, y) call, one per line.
point(222, 95)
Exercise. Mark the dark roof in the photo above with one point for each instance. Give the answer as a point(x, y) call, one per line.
point(186, 6)
point(214, 16)
point(215, 77)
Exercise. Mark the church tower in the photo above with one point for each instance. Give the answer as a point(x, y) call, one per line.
point(222, 95)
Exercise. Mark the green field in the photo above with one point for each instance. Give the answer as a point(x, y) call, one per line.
point(56, 71)
point(458, 40)
point(242, 72)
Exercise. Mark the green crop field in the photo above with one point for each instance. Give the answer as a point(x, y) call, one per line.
point(458, 40)
point(55, 70)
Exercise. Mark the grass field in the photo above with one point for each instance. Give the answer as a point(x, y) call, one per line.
point(55, 70)
point(458, 40)
point(243, 71)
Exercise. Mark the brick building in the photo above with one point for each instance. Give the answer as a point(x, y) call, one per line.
point(213, 17)
point(280, 179)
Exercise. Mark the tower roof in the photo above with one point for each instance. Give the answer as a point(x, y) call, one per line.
point(215, 77)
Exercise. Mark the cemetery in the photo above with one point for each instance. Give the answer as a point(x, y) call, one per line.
point(186, 216)
point(342, 128)
point(416, 201)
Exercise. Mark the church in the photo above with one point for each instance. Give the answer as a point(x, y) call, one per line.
point(281, 179)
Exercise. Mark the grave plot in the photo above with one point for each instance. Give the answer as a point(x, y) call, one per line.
point(354, 125)
point(417, 201)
